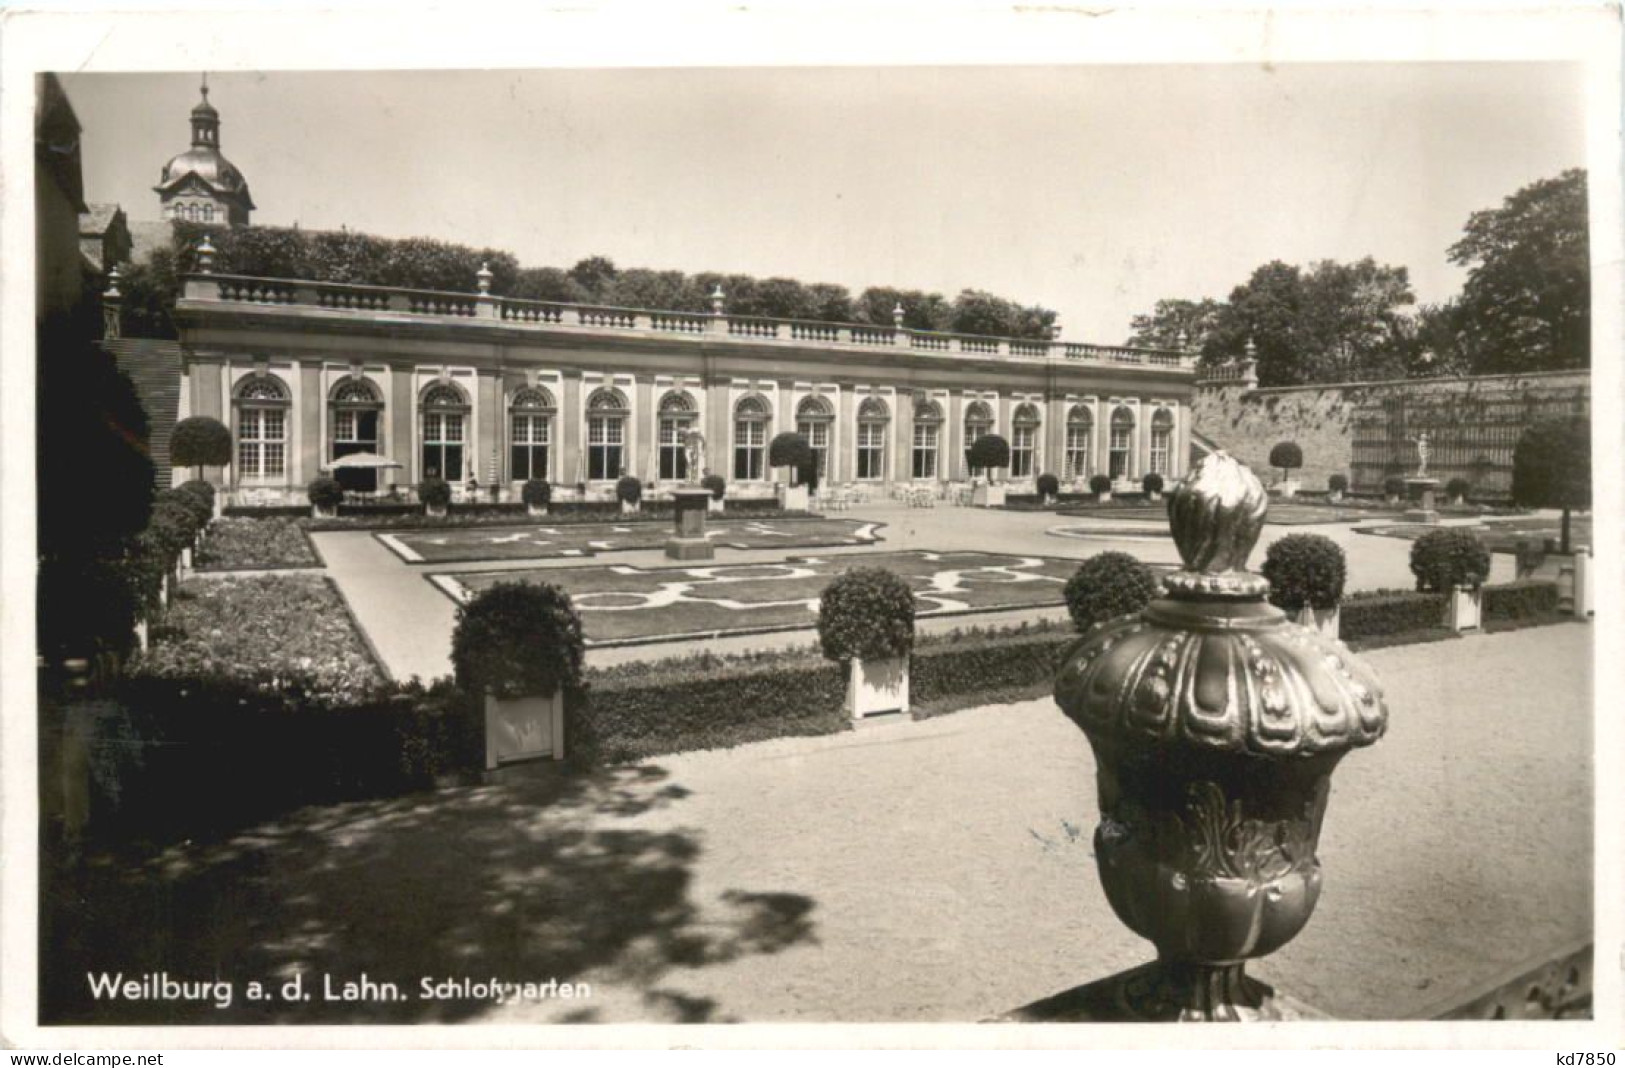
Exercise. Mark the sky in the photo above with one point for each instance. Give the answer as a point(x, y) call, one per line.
point(1092, 190)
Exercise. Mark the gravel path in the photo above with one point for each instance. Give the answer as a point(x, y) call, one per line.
point(932, 871)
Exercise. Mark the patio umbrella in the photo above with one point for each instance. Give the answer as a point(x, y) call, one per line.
point(363, 461)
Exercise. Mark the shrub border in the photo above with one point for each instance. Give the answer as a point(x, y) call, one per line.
point(310, 543)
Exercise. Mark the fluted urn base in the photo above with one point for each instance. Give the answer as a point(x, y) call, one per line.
point(1167, 992)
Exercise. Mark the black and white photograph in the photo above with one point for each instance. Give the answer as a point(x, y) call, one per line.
point(1077, 518)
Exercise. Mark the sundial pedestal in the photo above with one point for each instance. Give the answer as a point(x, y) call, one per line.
point(1420, 490)
point(690, 542)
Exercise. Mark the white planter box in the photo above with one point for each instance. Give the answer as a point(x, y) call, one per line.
point(186, 560)
point(523, 728)
point(1104, 498)
point(876, 686)
point(1328, 621)
point(535, 509)
point(716, 504)
point(1464, 609)
point(141, 635)
point(793, 498)
point(985, 495)
point(1288, 488)
point(1157, 496)
point(1334, 496)
point(1585, 589)
point(631, 507)
point(435, 510)
point(318, 512)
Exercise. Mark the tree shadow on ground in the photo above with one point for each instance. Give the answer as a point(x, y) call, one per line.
point(543, 877)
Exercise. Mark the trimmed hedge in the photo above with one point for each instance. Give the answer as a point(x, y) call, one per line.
point(1450, 556)
point(1048, 485)
point(716, 484)
point(434, 492)
point(1521, 600)
point(537, 492)
point(518, 638)
point(867, 613)
point(980, 667)
point(1109, 585)
point(1383, 612)
point(325, 492)
point(1152, 483)
point(1099, 484)
point(1305, 570)
point(1338, 483)
point(702, 703)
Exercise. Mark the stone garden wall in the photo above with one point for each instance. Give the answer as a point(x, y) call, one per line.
point(1363, 429)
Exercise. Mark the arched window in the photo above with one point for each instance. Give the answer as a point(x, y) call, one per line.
point(1120, 448)
point(445, 430)
point(927, 432)
point(978, 424)
point(873, 415)
point(1024, 442)
point(751, 416)
point(530, 433)
point(1080, 436)
point(606, 434)
point(678, 413)
point(262, 403)
point(1162, 436)
point(355, 410)
point(814, 417)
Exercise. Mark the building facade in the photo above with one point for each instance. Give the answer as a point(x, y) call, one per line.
point(487, 390)
point(200, 184)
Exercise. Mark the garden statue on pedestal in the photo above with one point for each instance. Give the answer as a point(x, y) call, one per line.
point(1421, 486)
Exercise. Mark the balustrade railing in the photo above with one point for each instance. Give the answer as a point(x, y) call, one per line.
point(335, 296)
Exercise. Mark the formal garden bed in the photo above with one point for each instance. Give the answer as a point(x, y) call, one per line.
point(275, 633)
point(542, 540)
point(397, 516)
point(235, 543)
point(1499, 535)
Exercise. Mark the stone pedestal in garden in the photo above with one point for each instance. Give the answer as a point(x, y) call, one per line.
point(1420, 493)
point(690, 542)
point(1216, 724)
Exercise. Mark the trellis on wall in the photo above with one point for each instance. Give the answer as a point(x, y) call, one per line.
point(1470, 435)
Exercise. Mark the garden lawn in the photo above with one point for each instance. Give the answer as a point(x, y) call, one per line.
point(1501, 535)
point(240, 544)
point(282, 632)
point(623, 605)
point(538, 542)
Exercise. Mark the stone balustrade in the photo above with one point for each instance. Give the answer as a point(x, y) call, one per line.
point(211, 288)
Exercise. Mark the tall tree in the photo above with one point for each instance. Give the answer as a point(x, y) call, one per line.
point(1176, 324)
point(1526, 304)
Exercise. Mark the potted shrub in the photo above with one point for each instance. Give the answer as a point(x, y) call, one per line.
point(326, 494)
point(866, 621)
point(989, 453)
point(536, 493)
point(1106, 586)
point(1288, 457)
point(629, 491)
point(1393, 489)
point(1101, 487)
point(792, 450)
point(205, 494)
point(518, 645)
point(1336, 486)
point(1152, 485)
point(1457, 489)
point(435, 493)
point(1454, 562)
point(718, 488)
point(174, 525)
point(1551, 468)
point(1048, 487)
point(1307, 573)
point(199, 441)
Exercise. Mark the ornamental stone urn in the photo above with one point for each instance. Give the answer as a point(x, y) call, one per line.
point(1216, 723)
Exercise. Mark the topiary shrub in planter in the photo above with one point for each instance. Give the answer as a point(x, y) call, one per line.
point(1453, 562)
point(435, 493)
point(1288, 457)
point(1107, 586)
point(519, 645)
point(1152, 484)
point(718, 487)
point(200, 441)
point(536, 493)
point(1307, 573)
point(1101, 487)
point(988, 453)
point(1336, 486)
point(326, 494)
point(203, 491)
point(1393, 488)
point(794, 451)
point(1457, 489)
point(200, 508)
point(866, 620)
point(629, 491)
point(1048, 486)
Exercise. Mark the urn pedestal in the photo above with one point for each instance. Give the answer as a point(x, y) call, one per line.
point(1420, 493)
point(690, 542)
point(1216, 723)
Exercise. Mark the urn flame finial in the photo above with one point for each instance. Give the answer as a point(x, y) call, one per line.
point(1216, 515)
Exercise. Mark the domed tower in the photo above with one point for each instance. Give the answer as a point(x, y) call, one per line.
point(201, 185)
